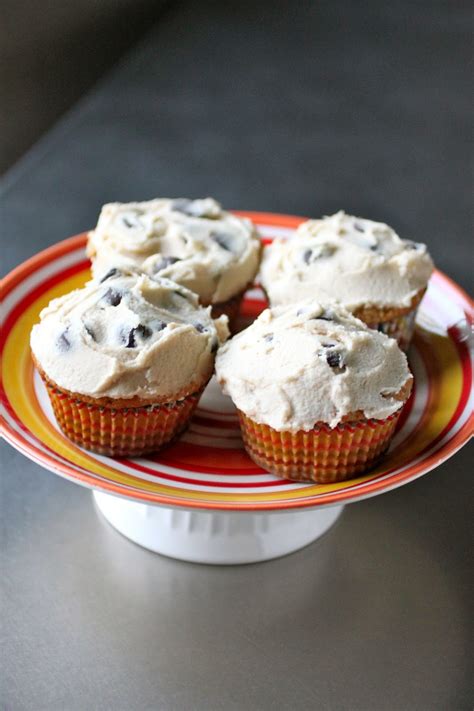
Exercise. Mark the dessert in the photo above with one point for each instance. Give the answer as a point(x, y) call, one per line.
point(125, 360)
point(193, 242)
point(318, 393)
point(362, 264)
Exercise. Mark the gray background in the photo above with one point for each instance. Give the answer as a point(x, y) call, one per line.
point(292, 107)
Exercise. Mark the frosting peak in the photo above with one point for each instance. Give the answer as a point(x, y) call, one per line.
point(193, 242)
point(355, 261)
point(128, 336)
point(305, 363)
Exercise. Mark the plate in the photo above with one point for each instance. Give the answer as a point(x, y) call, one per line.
point(208, 468)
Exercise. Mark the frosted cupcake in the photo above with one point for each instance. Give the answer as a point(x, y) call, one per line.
point(193, 242)
point(317, 392)
point(364, 265)
point(125, 361)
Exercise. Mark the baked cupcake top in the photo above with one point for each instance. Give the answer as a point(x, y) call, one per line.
point(193, 242)
point(303, 363)
point(355, 261)
point(128, 336)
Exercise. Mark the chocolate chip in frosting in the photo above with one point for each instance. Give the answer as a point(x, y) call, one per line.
point(268, 337)
point(129, 335)
point(165, 262)
point(112, 297)
point(319, 252)
point(90, 332)
point(143, 331)
point(158, 325)
point(358, 227)
point(111, 273)
point(131, 221)
point(223, 239)
point(63, 342)
point(192, 208)
point(335, 361)
point(199, 327)
point(326, 315)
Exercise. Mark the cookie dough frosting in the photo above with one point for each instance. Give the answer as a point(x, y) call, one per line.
point(300, 364)
point(193, 242)
point(349, 259)
point(128, 336)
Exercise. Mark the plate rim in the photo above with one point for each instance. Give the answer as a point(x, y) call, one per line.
point(374, 487)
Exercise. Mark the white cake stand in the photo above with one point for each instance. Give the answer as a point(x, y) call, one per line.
point(202, 499)
point(220, 538)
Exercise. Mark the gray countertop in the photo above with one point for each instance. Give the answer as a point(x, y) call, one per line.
point(298, 108)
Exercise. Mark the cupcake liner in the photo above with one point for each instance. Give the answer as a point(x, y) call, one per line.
point(395, 323)
point(322, 455)
point(120, 432)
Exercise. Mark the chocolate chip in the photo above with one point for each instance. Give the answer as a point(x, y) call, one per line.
point(268, 337)
point(335, 360)
point(62, 342)
point(158, 325)
point(374, 247)
point(180, 293)
point(199, 327)
point(165, 262)
point(328, 345)
point(112, 297)
point(90, 332)
point(128, 338)
point(131, 221)
point(223, 239)
point(112, 272)
point(325, 316)
point(143, 331)
point(358, 227)
point(319, 252)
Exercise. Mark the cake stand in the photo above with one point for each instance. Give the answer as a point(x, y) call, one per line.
point(202, 499)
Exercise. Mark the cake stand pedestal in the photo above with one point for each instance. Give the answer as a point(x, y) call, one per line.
point(219, 538)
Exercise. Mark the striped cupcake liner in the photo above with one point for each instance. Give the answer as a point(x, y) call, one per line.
point(120, 432)
point(322, 455)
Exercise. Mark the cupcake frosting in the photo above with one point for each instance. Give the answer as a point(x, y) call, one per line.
point(355, 261)
point(193, 242)
point(304, 363)
point(128, 336)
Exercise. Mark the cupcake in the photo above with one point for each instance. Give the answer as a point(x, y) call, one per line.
point(317, 392)
point(193, 242)
point(363, 265)
point(125, 360)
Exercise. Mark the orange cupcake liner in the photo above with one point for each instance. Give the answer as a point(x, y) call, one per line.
point(120, 432)
point(322, 455)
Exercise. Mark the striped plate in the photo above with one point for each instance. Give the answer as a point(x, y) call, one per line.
point(208, 467)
